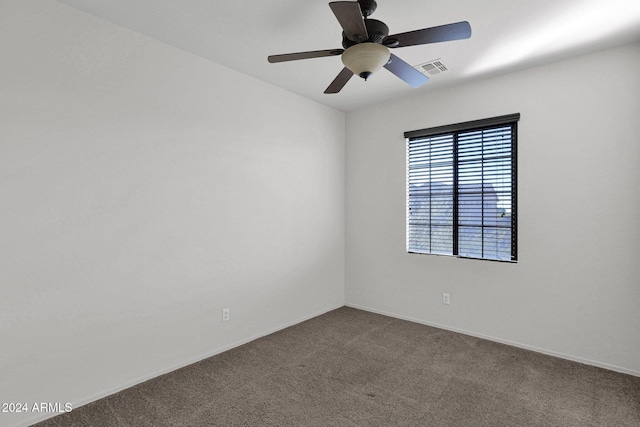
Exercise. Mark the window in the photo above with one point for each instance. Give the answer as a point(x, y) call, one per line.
point(461, 189)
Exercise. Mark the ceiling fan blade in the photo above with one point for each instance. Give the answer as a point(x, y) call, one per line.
point(406, 72)
point(304, 55)
point(350, 18)
point(338, 83)
point(443, 33)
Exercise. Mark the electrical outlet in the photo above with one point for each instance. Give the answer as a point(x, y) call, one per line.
point(445, 299)
point(225, 314)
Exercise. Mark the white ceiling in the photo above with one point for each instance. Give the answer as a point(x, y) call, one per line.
point(507, 35)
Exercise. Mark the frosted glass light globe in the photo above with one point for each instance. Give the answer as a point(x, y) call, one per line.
point(364, 59)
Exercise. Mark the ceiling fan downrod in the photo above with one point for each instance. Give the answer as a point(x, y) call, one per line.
point(367, 7)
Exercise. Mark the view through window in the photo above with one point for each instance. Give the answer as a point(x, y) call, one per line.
point(461, 189)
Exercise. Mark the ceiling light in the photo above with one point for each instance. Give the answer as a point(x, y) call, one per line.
point(365, 59)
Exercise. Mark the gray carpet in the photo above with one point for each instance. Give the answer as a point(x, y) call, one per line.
point(354, 368)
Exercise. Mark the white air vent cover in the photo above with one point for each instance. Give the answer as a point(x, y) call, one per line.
point(432, 68)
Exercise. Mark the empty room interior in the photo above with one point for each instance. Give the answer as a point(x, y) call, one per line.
point(178, 194)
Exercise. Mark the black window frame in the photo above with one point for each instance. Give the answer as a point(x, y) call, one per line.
point(510, 120)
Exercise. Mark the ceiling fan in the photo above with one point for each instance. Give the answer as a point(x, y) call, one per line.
point(366, 44)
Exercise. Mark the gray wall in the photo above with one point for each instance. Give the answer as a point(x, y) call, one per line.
point(575, 291)
point(142, 190)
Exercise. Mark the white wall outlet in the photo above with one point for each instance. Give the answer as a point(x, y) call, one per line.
point(445, 299)
point(225, 314)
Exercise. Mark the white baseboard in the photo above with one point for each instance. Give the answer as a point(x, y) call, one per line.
point(502, 341)
point(172, 368)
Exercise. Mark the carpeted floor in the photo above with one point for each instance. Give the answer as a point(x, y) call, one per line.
point(354, 368)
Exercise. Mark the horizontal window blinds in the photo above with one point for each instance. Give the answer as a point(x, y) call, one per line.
point(462, 193)
point(458, 127)
point(431, 195)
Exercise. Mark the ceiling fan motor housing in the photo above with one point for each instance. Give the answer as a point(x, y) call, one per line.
point(377, 31)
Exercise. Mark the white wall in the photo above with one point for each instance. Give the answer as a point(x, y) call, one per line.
point(575, 291)
point(142, 190)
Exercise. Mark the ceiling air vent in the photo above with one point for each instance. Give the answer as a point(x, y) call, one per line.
point(432, 68)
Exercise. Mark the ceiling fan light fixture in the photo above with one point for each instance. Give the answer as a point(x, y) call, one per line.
point(367, 42)
point(364, 59)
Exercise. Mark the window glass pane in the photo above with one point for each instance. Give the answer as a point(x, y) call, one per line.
point(470, 242)
point(430, 194)
point(484, 192)
point(442, 240)
point(497, 243)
